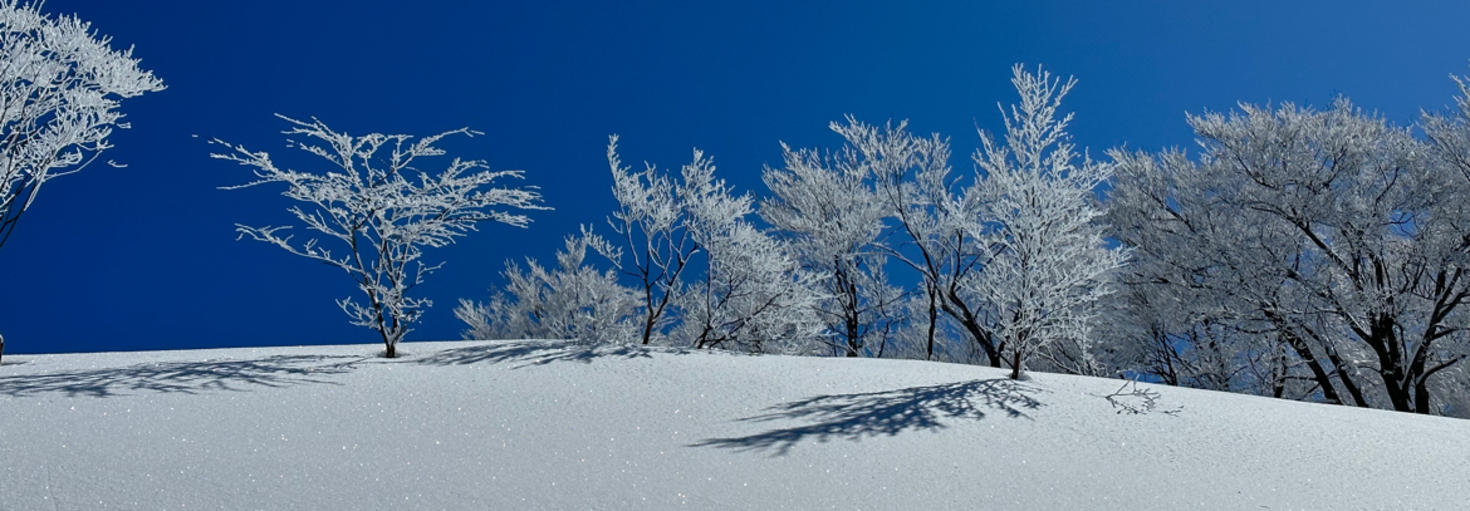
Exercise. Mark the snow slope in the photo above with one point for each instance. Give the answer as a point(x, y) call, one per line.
point(541, 425)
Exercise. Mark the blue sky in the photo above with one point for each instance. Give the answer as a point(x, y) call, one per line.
point(145, 257)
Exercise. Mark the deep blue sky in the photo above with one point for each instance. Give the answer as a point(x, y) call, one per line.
point(145, 257)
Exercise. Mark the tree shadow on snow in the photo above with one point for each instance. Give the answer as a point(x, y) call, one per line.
point(182, 377)
point(530, 353)
point(854, 416)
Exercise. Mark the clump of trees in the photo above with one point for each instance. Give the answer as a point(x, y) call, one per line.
point(749, 293)
point(1302, 254)
point(1014, 260)
point(60, 88)
point(826, 211)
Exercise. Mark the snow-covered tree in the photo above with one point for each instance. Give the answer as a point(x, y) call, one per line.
point(1169, 332)
point(827, 212)
point(1045, 263)
point(754, 295)
point(60, 87)
point(912, 338)
point(1198, 309)
point(1335, 237)
point(571, 301)
point(652, 219)
point(931, 217)
point(751, 295)
point(1014, 259)
point(384, 212)
point(1450, 134)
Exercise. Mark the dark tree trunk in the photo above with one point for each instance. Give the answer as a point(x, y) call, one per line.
point(1278, 374)
point(1347, 379)
point(957, 309)
point(650, 316)
point(651, 313)
point(1399, 396)
point(1391, 362)
point(1329, 392)
point(854, 328)
point(1016, 364)
point(984, 341)
point(933, 318)
point(1421, 397)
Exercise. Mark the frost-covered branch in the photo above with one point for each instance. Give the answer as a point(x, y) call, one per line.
point(752, 294)
point(929, 235)
point(61, 84)
point(60, 87)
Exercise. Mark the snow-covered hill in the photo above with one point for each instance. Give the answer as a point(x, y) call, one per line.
point(540, 425)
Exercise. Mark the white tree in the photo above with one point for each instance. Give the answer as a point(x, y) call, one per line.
point(382, 215)
point(571, 301)
point(754, 296)
point(751, 295)
point(60, 86)
point(931, 217)
point(651, 218)
point(1046, 265)
point(827, 212)
point(1016, 259)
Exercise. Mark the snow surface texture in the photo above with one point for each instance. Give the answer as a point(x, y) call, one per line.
point(542, 425)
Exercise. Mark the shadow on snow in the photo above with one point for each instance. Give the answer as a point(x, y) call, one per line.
point(286, 370)
point(182, 377)
point(530, 353)
point(854, 416)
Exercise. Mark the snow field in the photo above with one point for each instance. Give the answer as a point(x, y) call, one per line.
point(547, 425)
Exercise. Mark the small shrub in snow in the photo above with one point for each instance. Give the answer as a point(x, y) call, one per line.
point(572, 301)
